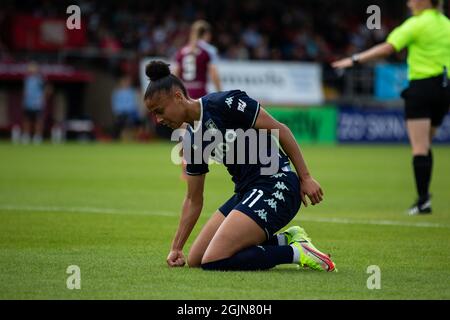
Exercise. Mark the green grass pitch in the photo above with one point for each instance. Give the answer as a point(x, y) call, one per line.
point(112, 210)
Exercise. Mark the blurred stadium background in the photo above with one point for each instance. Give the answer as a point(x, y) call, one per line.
point(83, 67)
point(114, 207)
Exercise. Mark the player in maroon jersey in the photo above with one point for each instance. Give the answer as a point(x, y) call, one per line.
point(195, 62)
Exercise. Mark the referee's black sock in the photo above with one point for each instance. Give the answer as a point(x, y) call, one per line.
point(253, 258)
point(423, 165)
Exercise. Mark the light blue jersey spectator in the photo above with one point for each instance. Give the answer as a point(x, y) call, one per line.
point(33, 93)
point(125, 107)
point(34, 96)
point(124, 101)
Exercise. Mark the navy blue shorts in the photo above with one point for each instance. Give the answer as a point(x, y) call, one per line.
point(271, 201)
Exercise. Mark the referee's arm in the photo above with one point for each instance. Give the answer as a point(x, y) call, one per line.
point(379, 51)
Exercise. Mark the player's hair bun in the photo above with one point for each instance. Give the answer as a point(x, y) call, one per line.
point(156, 70)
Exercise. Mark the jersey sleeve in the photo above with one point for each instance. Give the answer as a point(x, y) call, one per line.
point(177, 58)
point(193, 156)
point(240, 109)
point(403, 35)
point(213, 55)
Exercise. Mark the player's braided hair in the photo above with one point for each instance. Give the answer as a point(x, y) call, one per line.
point(161, 79)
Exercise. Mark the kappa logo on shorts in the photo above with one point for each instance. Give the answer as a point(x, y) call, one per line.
point(281, 186)
point(229, 101)
point(262, 214)
point(278, 175)
point(272, 203)
point(279, 195)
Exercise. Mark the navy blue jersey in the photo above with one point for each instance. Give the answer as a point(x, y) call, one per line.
point(228, 114)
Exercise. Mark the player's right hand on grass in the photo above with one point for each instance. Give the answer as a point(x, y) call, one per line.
point(176, 258)
point(312, 189)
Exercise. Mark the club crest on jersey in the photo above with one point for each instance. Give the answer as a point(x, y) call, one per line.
point(211, 125)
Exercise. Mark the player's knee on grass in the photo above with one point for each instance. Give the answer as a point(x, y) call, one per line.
point(214, 265)
point(194, 259)
point(221, 264)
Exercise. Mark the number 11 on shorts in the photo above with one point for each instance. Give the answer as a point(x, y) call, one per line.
point(260, 194)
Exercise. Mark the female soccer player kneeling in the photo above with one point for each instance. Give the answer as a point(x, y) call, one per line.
point(241, 234)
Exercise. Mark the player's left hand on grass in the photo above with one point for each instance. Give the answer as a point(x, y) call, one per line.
point(311, 188)
point(176, 258)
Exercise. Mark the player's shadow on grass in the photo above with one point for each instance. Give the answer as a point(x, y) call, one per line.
point(290, 269)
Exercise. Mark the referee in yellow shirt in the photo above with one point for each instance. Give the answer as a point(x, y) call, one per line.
point(427, 99)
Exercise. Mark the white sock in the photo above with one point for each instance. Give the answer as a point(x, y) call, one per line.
point(37, 139)
point(296, 257)
point(57, 135)
point(281, 239)
point(25, 138)
point(15, 134)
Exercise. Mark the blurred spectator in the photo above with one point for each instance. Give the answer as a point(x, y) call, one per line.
point(125, 109)
point(109, 43)
point(313, 30)
point(34, 96)
point(238, 51)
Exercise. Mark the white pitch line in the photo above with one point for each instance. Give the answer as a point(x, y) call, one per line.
point(82, 210)
point(172, 214)
point(374, 222)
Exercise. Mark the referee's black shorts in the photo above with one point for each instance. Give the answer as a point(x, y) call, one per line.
point(427, 98)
